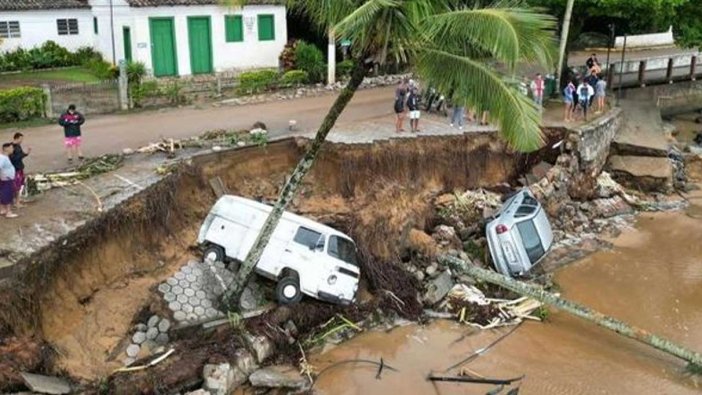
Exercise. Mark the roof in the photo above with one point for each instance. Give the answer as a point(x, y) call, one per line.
point(160, 3)
point(20, 5)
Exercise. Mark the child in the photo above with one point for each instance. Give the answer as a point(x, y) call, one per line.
point(7, 182)
point(71, 121)
point(585, 92)
point(17, 159)
point(569, 100)
point(600, 94)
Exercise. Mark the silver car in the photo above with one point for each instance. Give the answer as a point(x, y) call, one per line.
point(519, 234)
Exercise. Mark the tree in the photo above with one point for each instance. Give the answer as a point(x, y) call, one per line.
point(453, 48)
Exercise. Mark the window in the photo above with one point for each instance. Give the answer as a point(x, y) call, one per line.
point(9, 29)
point(343, 249)
point(233, 28)
point(266, 28)
point(309, 238)
point(67, 27)
point(95, 25)
point(531, 240)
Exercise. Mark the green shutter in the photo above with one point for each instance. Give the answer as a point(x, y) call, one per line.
point(266, 28)
point(95, 25)
point(233, 28)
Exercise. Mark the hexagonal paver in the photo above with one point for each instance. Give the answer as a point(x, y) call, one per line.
point(194, 301)
point(174, 306)
point(196, 285)
point(211, 313)
point(169, 297)
point(179, 316)
point(191, 317)
point(182, 299)
point(201, 294)
point(184, 283)
point(187, 308)
point(133, 350)
point(206, 303)
point(191, 277)
point(177, 289)
point(163, 288)
point(179, 275)
point(172, 281)
point(162, 339)
point(189, 292)
point(197, 271)
point(164, 325)
point(186, 269)
point(199, 310)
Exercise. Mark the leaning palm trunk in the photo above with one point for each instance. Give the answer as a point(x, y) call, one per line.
point(613, 324)
point(233, 293)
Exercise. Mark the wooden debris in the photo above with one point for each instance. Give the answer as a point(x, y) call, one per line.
point(218, 187)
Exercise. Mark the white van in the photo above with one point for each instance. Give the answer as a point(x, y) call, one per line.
point(303, 256)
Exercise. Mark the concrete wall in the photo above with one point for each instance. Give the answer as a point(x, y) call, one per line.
point(671, 99)
point(592, 141)
point(37, 27)
point(658, 63)
point(646, 40)
point(251, 53)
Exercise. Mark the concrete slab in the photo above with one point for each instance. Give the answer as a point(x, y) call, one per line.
point(642, 132)
point(46, 384)
point(651, 174)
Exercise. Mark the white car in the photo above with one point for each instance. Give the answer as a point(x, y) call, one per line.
point(303, 256)
point(520, 234)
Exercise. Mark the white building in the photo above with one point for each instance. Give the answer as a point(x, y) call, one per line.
point(171, 37)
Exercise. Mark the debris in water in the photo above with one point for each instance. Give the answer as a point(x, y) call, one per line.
point(483, 350)
point(474, 380)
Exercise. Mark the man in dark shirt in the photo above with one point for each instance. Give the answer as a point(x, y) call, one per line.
point(413, 107)
point(17, 158)
point(71, 121)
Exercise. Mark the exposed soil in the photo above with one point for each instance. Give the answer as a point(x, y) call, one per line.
point(84, 293)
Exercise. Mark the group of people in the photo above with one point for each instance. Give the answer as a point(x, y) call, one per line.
point(12, 175)
point(12, 179)
point(580, 96)
point(407, 100)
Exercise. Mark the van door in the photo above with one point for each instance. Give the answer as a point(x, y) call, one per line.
point(302, 255)
point(340, 271)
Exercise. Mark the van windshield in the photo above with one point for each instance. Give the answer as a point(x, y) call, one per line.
point(531, 240)
point(343, 249)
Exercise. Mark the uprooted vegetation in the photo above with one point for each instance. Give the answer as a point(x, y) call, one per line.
point(83, 294)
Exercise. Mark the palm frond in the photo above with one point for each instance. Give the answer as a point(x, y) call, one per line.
point(510, 35)
point(323, 13)
point(478, 86)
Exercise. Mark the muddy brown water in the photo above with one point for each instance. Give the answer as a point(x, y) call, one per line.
point(652, 278)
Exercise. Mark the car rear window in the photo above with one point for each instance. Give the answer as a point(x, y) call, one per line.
point(531, 240)
point(308, 237)
point(343, 249)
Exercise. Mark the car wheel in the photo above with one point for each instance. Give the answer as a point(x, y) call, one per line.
point(214, 253)
point(288, 289)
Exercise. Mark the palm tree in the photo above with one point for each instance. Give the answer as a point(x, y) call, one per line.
point(452, 47)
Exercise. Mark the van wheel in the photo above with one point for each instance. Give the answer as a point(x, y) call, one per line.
point(288, 289)
point(214, 252)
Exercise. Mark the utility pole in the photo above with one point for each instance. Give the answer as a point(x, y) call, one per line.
point(564, 42)
point(112, 32)
point(331, 57)
point(612, 27)
point(621, 72)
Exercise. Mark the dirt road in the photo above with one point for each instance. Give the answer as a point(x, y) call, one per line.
point(112, 133)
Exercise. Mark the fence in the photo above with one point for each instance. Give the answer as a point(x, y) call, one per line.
point(90, 98)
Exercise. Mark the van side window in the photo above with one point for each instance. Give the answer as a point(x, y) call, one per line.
point(343, 249)
point(308, 237)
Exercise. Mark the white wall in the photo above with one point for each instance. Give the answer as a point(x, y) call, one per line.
point(37, 27)
point(250, 53)
point(646, 40)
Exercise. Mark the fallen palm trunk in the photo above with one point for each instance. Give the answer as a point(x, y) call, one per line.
point(600, 319)
point(474, 380)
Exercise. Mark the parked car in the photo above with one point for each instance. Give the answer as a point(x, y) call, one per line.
point(303, 256)
point(520, 234)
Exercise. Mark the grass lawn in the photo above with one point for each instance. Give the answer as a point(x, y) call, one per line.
point(34, 78)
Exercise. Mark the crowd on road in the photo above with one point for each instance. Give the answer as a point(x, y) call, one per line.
point(579, 96)
point(12, 178)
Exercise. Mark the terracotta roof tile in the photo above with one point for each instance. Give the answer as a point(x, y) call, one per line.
point(19, 5)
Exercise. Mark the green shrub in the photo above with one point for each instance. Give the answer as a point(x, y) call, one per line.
point(135, 72)
point(344, 69)
point(310, 59)
point(257, 81)
point(102, 69)
point(138, 92)
point(21, 104)
point(83, 55)
point(48, 55)
point(294, 78)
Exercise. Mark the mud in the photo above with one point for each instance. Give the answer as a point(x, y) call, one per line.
point(651, 278)
point(82, 295)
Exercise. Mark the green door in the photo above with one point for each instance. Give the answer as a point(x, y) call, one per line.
point(163, 47)
point(200, 42)
point(127, 37)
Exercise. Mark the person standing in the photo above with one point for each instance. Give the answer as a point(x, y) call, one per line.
point(399, 105)
point(600, 94)
point(569, 100)
point(593, 65)
point(71, 121)
point(585, 93)
point(537, 89)
point(458, 115)
point(17, 159)
point(413, 107)
point(7, 182)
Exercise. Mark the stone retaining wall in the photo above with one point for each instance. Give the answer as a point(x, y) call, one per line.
point(671, 99)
